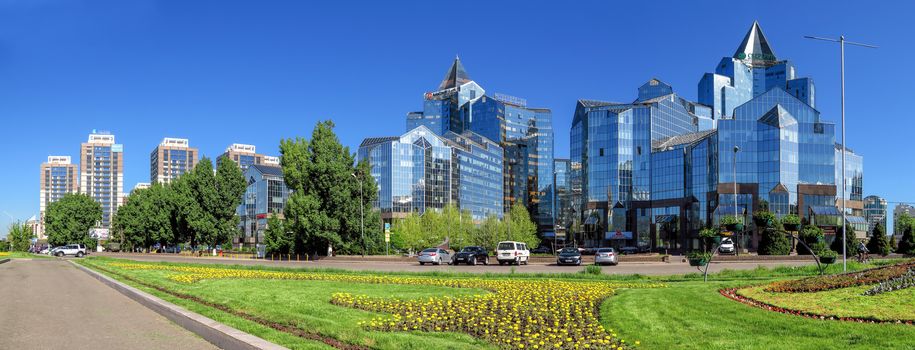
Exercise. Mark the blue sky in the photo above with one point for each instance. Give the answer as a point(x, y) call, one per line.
point(220, 72)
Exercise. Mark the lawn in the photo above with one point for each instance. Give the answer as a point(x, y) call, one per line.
point(365, 309)
point(23, 255)
point(368, 310)
point(692, 315)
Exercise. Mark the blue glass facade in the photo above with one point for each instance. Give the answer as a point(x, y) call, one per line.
point(421, 170)
point(662, 167)
point(264, 197)
point(524, 134)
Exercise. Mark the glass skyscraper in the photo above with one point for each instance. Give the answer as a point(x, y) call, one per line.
point(656, 171)
point(421, 170)
point(875, 213)
point(525, 135)
point(264, 197)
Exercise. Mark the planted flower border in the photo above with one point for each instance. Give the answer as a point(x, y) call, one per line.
point(845, 280)
point(731, 293)
point(518, 314)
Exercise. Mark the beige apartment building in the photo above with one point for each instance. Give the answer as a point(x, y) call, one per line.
point(59, 176)
point(246, 156)
point(102, 173)
point(171, 159)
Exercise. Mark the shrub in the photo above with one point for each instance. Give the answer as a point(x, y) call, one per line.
point(774, 242)
point(728, 220)
point(907, 244)
point(851, 243)
point(699, 255)
point(813, 237)
point(791, 220)
point(879, 244)
point(764, 218)
point(592, 270)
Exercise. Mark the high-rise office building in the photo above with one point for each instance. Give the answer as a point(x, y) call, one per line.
point(421, 171)
point(898, 211)
point(875, 213)
point(102, 173)
point(171, 159)
point(656, 171)
point(854, 181)
point(246, 156)
point(58, 177)
point(525, 135)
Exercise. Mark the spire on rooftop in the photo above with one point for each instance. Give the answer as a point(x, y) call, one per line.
point(755, 48)
point(456, 75)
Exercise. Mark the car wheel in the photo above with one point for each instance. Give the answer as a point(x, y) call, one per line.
point(79, 254)
point(439, 262)
point(422, 263)
point(579, 262)
point(485, 261)
point(59, 254)
point(472, 261)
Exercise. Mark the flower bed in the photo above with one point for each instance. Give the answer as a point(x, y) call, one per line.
point(519, 313)
point(858, 278)
point(732, 293)
point(902, 282)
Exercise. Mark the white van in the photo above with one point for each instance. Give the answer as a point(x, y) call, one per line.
point(509, 252)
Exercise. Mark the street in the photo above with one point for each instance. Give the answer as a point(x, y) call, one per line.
point(51, 304)
point(645, 268)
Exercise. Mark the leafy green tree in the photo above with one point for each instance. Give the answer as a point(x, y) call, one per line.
point(489, 233)
point(520, 228)
point(198, 202)
point(230, 187)
point(69, 219)
point(851, 245)
point(907, 244)
point(879, 244)
point(19, 236)
point(409, 233)
point(276, 239)
point(328, 191)
point(774, 242)
point(813, 237)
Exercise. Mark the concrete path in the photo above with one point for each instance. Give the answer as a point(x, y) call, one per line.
point(50, 304)
point(653, 268)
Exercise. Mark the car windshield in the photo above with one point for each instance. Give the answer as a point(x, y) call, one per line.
point(470, 249)
point(569, 251)
point(430, 250)
point(506, 246)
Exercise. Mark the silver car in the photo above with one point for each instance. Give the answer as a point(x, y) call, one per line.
point(605, 256)
point(434, 256)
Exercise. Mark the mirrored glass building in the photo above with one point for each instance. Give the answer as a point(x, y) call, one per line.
point(657, 170)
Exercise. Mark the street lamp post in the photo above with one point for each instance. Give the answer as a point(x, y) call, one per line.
point(361, 214)
point(736, 149)
point(841, 40)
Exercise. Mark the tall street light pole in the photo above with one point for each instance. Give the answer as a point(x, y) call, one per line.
point(361, 214)
point(736, 149)
point(841, 40)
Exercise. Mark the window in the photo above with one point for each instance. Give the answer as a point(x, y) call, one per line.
point(601, 152)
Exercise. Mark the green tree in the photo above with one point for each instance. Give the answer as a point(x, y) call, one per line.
point(520, 228)
point(813, 237)
point(198, 202)
point(409, 233)
point(851, 245)
point(774, 242)
point(276, 239)
point(69, 219)
point(489, 233)
point(19, 236)
point(328, 192)
point(230, 187)
point(879, 244)
point(907, 244)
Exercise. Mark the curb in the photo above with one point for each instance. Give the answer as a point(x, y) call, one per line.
point(5, 260)
point(218, 334)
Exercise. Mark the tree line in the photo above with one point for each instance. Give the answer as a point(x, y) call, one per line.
point(416, 232)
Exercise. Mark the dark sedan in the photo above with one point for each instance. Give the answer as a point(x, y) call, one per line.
point(471, 256)
point(569, 256)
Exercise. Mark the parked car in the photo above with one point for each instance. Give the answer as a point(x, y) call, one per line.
point(542, 250)
point(605, 256)
point(78, 250)
point(471, 256)
point(509, 252)
point(172, 249)
point(727, 246)
point(569, 256)
point(629, 250)
point(434, 256)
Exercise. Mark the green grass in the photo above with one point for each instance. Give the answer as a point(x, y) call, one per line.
point(688, 314)
point(847, 302)
point(692, 315)
point(305, 304)
point(24, 255)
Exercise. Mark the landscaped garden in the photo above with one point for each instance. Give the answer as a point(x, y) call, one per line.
point(306, 309)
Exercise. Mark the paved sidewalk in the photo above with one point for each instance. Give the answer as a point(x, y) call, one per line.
point(50, 304)
point(653, 268)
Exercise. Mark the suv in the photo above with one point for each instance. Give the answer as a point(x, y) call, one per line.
point(78, 250)
point(512, 253)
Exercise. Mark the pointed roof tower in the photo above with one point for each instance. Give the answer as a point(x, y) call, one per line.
point(456, 76)
point(755, 49)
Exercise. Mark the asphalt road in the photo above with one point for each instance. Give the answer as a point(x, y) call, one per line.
point(49, 304)
point(650, 268)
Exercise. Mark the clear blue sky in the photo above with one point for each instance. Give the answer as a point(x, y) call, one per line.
point(219, 72)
